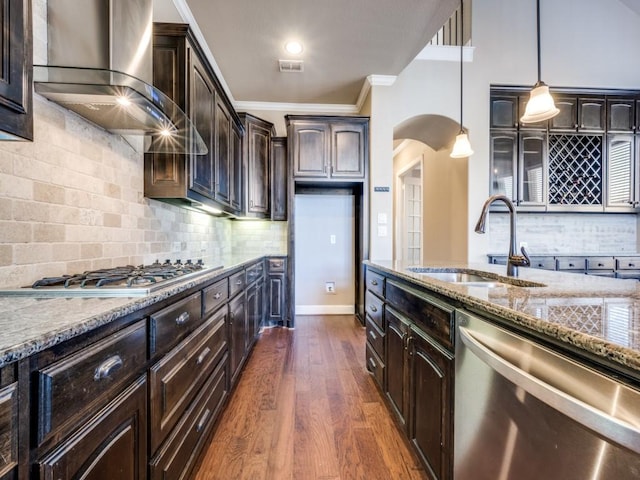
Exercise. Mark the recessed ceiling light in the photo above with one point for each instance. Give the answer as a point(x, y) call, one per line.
point(293, 47)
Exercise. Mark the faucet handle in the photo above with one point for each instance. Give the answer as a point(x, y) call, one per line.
point(520, 260)
point(526, 261)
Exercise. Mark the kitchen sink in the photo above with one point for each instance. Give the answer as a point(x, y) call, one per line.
point(472, 278)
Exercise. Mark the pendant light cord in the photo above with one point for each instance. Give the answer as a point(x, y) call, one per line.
point(538, 38)
point(461, 58)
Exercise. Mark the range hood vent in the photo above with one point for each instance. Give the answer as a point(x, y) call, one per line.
point(100, 67)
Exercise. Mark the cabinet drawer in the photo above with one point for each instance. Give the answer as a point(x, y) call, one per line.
point(600, 263)
point(375, 366)
point(214, 296)
point(375, 283)
point(254, 272)
point(375, 337)
point(432, 316)
point(374, 309)
point(175, 380)
point(237, 283)
point(170, 325)
point(627, 263)
point(276, 265)
point(75, 386)
point(179, 454)
point(571, 263)
point(545, 263)
point(8, 428)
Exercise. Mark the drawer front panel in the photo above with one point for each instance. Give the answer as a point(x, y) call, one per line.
point(627, 263)
point(375, 366)
point(571, 263)
point(77, 385)
point(601, 263)
point(176, 379)
point(545, 263)
point(178, 456)
point(214, 296)
point(435, 318)
point(276, 265)
point(375, 283)
point(8, 428)
point(375, 337)
point(255, 272)
point(374, 309)
point(237, 283)
point(170, 325)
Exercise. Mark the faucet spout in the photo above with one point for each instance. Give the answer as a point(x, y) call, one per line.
point(514, 261)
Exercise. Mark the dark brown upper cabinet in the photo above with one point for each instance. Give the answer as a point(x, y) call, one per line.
point(181, 71)
point(279, 178)
point(579, 114)
point(504, 111)
point(257, 177)
point(328, 147)
point(621, 115)
point(16, 79)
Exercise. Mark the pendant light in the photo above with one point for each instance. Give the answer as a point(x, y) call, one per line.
point(462, 147)
point(540, 105)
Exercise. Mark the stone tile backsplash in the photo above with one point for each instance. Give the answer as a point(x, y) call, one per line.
point(73, 200)
point(566, 234)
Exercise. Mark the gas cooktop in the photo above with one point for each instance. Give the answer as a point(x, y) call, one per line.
point(125, 281)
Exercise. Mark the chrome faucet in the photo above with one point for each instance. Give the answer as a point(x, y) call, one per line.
point(514, 261)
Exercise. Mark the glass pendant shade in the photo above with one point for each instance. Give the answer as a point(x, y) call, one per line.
point(462, 147)
point(540, 105)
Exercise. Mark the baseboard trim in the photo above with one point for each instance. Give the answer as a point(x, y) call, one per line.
point(325, 309)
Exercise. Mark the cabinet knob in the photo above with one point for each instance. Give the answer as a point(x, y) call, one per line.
point(571, 265)
point(373, 308)
point(217, 295)
point(106, 368)
point(374, 282)
point(182, 318)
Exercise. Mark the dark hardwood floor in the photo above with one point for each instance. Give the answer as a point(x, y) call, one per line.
point(306, 408)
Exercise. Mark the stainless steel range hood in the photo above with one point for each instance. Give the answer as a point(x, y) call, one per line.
point(100, 66)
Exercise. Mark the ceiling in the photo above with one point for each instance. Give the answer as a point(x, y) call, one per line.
point(344, 42)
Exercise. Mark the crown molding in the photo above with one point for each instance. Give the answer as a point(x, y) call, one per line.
point(336, 108)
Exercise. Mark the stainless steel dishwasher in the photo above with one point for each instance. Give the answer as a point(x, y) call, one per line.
point(524, 412)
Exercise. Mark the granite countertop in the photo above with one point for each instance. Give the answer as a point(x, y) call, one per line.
point(598, 315)
point(31, 324)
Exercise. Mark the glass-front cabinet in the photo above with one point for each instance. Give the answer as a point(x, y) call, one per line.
point(622, 173)
point(504, 164)
point(532, 169)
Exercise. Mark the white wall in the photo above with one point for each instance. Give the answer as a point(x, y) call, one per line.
point(584, 44)
point(317, 260)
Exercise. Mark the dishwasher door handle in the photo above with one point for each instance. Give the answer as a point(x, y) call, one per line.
point(614, 429)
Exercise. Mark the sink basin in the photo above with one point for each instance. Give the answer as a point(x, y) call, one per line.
point(472, 278)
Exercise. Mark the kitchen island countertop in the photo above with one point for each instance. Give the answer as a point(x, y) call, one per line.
point(30, 324)
point(595, 315)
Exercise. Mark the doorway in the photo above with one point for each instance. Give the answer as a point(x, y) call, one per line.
point(409, 215)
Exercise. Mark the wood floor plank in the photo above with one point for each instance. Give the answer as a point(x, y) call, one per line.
point(305, 408)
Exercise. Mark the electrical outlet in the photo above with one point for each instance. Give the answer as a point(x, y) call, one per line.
point(330, 287)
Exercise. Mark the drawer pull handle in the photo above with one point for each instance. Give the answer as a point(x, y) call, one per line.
point(374, 283)
point(632, 264)
point(277, 264)
point(203, 355)
point(106, 368)
point(571, 265)
point(373, 308)
point(239, 281)
point(183, 318)
point(217, 295)
point(373, 363)
point(373, 335)
point(203, 420)
point(601, 264)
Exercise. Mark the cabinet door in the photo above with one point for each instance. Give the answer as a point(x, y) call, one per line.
point(9, 427)
point(203, 105)
point(503, 164)
point(396, 336)
point(16, 97)
point(621, 172)
point(430, 400)
point(621, 116)
point(310, 149)
point(567, 119)
point(110, 445)
point(348, 149)
point(236, 168)
point(259, 146)
point(279, 178)
point(591, 114)
point(237, 333)
point(223, 154)
point(504, 111)
point(275, 296)
point(532, 183)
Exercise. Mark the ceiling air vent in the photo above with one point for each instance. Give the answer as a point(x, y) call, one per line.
point(291, 66)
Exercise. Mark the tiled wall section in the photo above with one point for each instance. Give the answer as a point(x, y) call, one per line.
point(565, 233)
point(256, 237)
point(72, 200)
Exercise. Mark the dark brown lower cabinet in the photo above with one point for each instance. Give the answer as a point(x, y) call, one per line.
point(237, 334)
point(111, 445)
point(397, 363)
point(430, 404)
point(9, 427)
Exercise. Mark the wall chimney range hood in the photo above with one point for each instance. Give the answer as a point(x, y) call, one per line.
point(100, 67)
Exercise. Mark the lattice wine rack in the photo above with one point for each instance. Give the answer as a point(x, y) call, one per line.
point(575, 169)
